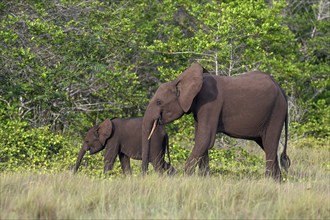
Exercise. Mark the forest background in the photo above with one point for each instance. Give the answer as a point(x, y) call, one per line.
point(67, 65)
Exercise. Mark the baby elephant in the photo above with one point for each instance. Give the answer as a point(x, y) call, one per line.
point(123, 137)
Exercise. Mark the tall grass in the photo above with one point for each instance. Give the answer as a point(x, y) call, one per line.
point(305, 195)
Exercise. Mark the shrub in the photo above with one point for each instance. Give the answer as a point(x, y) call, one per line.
point(235, 161)
point(28, 148)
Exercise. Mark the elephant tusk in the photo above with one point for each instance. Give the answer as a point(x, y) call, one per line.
point(153, 129)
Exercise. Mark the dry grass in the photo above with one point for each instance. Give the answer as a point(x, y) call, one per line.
point(64, 196)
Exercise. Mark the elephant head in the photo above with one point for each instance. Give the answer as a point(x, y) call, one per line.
point(170, 102)
point(95, 140)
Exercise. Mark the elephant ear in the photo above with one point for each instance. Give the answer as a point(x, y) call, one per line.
point(189, 84)
point(105, 131)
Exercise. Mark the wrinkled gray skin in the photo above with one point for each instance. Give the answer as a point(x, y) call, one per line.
point(251, 106)
point(122, 137)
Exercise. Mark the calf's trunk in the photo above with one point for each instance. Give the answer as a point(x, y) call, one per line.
point(81, 154)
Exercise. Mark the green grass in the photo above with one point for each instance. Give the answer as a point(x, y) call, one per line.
point(304, 195)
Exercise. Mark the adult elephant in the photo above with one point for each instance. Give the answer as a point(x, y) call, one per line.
point(250, 106)
point(122, 137)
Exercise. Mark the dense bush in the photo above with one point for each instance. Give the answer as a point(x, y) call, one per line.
point(23, 147)
point(28, 148)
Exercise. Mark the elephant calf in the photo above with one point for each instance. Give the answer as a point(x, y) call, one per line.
point(123, 137)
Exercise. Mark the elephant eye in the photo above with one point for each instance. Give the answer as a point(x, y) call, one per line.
point(158, 102)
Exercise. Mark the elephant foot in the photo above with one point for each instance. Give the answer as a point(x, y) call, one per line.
point(171, 171)
point(190, 166)
point(189, 170)
point(276, 175)
point(204, 172)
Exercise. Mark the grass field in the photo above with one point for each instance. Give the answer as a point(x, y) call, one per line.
point(304, 195)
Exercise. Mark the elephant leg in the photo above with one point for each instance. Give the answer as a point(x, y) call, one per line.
point(108, 163)
point(158, 163)
point(157, 155)
point(204, 139)
point(270, 142)
point(272, 166)
point(161, 166)
point(125, 164)
point(110, 158)
point(169, 168)
point(203, 165)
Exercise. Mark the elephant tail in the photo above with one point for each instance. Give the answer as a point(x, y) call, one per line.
point(285, 160)
point(167, 148)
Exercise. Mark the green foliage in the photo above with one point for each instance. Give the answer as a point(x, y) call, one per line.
point(312, 143)
point(25, 148)
point(228, 38)
point(318, 123)
point(72, 64)
point(236, 161)
point(310, 23)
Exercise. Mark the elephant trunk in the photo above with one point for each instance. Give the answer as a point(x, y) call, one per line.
point(148, 127)
point(81, 154)
point(145, 147)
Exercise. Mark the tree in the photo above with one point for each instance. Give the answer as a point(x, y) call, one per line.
point(309, 20)
point(67, 63)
